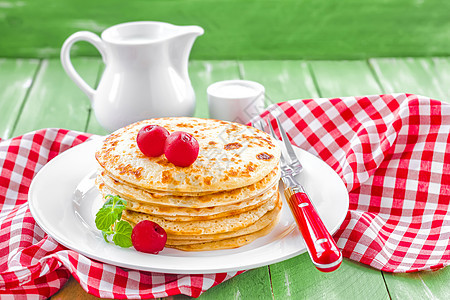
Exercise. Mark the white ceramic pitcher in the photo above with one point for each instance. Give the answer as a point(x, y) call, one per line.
point(146, 72)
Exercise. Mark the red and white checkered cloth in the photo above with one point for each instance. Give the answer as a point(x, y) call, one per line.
point(393, 154)
point(392, 151)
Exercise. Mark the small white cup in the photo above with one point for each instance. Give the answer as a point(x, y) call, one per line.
point(235, 100)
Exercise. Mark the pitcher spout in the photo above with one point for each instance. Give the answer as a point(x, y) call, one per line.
point(192, 30)
point(185, 38)
point(181, 46)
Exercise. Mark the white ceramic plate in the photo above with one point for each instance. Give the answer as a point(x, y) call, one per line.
point(64, 201)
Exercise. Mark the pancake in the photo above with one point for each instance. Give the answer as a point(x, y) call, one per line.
point(231, 156)
point(174, 213)
point(214, 226)
point(264, 221)
point(230, 243)
point(217, 199)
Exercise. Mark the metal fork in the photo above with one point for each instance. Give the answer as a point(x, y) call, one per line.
point(321, 246)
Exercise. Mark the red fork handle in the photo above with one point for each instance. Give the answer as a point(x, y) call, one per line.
point(321, 246)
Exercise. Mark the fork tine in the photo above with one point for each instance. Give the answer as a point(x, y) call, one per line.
point(258, 125)
point(283, 161)
point(272, 132)
point(254, 125)
point(286, 142)
point(283, 149)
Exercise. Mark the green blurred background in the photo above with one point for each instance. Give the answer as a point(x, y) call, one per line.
point(236, 29)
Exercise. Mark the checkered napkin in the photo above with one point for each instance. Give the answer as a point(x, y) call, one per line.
point(33, 265)
point(393, 154)
point(392, 151)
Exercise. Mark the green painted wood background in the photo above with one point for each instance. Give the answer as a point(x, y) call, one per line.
point(236, 29)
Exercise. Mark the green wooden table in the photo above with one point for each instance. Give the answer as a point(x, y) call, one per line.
point(36, 93)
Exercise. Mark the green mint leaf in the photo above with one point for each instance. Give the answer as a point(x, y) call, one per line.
point(104, 219)
point(121, 202)
point(110, 212)
point(115, 202)
point(122, 237)
point(109, 200)
point(108, 220)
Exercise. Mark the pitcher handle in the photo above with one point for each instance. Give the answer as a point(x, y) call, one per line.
point(89, 37)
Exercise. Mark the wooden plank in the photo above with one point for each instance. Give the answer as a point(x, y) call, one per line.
point(54, 100)
point(420, 285)
point(442, 72)
point(204, 73)
point(235, 29)
point(283, 80)
point(253, 284)
point(408, 75)
point(16, 77)
point(93, 126)
point(344, 78)
point(297, 278)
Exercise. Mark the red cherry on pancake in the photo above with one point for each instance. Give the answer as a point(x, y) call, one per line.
point(151, 140)
point(181, 149)
point(148, 237)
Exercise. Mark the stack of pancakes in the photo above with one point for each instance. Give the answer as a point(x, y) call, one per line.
point(227, 198)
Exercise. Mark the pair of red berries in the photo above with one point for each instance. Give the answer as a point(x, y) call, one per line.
point(180, 148)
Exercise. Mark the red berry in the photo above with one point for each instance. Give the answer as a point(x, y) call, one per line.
point(151, 140)
point(181, 149)
point(148, 237)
